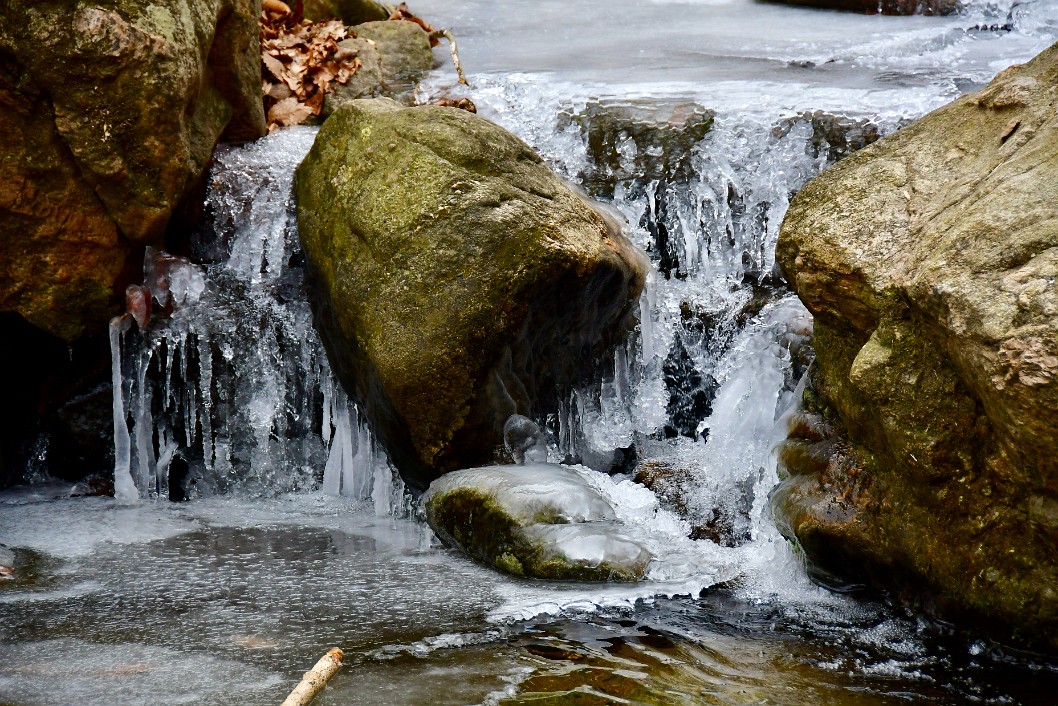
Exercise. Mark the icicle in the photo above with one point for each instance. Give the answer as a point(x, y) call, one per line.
point(170, 353)
point(363, 464)
point(563, 428)
point(345, 427)
point(382, 488)
point(168, 449)
point(190, 402)
point(124, 487)
point(647, 303)
point(334, 473)
point(328, 401)
point(144, 426)
point(205, 376)
point(620, 375)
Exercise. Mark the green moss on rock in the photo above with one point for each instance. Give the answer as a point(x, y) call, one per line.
point(456, 279)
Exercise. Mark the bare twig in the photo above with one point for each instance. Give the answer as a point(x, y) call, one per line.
point(454, 49)
point(315, 679)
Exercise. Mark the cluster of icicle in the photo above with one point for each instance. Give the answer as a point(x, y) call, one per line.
point(721, 225)
point(233, 379)
point(219, 365)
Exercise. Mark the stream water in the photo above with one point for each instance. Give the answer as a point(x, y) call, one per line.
point(696, 121)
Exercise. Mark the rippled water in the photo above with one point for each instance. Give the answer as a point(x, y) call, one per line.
point(696, 121)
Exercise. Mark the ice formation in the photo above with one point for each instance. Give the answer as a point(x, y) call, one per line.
point(228, 382)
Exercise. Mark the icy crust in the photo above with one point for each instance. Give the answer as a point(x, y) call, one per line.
point(572, 523)
point(533, 493)
point(537, 520)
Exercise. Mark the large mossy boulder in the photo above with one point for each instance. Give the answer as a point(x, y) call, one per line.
point(110, 112)
point(457, 280)
point(537, 520)
point(930, 263)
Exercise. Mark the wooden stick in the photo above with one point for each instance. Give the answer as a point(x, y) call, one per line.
point(454, 50)
point(316, 678)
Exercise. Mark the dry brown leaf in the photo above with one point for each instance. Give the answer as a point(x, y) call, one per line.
point(275, 6)
point(301, 61)
point(289, 112)
point(401, 12)
point(274, 65)
point(277, 91)
point(461, 103)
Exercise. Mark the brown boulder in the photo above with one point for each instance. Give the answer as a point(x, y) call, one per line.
point(930, 262)
point(110, 115)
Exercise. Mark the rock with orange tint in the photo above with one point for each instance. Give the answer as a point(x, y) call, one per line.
point(930, 263)
point(110, 114)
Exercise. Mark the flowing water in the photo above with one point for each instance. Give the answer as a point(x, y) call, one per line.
point(695, 121)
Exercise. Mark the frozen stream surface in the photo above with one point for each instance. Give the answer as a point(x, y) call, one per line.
point(695, 121)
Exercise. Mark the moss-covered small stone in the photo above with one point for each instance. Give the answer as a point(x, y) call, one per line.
point(538, 520)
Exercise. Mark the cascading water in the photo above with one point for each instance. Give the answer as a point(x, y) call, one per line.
point(234, 391)
point(695, 121)
point(233, 383)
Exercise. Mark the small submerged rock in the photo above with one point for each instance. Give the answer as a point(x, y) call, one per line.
point(538, 520)
point(7, 563)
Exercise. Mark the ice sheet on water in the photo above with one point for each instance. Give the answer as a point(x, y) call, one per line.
point(76, 527)
point(71, 671)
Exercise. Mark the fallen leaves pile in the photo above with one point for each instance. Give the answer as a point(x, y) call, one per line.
point(301, 59)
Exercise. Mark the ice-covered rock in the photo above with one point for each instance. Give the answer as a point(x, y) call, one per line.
point(524, 440)
point(537, 520)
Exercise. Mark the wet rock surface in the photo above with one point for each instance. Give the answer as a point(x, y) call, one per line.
point(833, 136)
point(535, 520)
point(458, 281)
point(639, 140)
point(110, 115)
point(393, 55)
point(929, 263)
